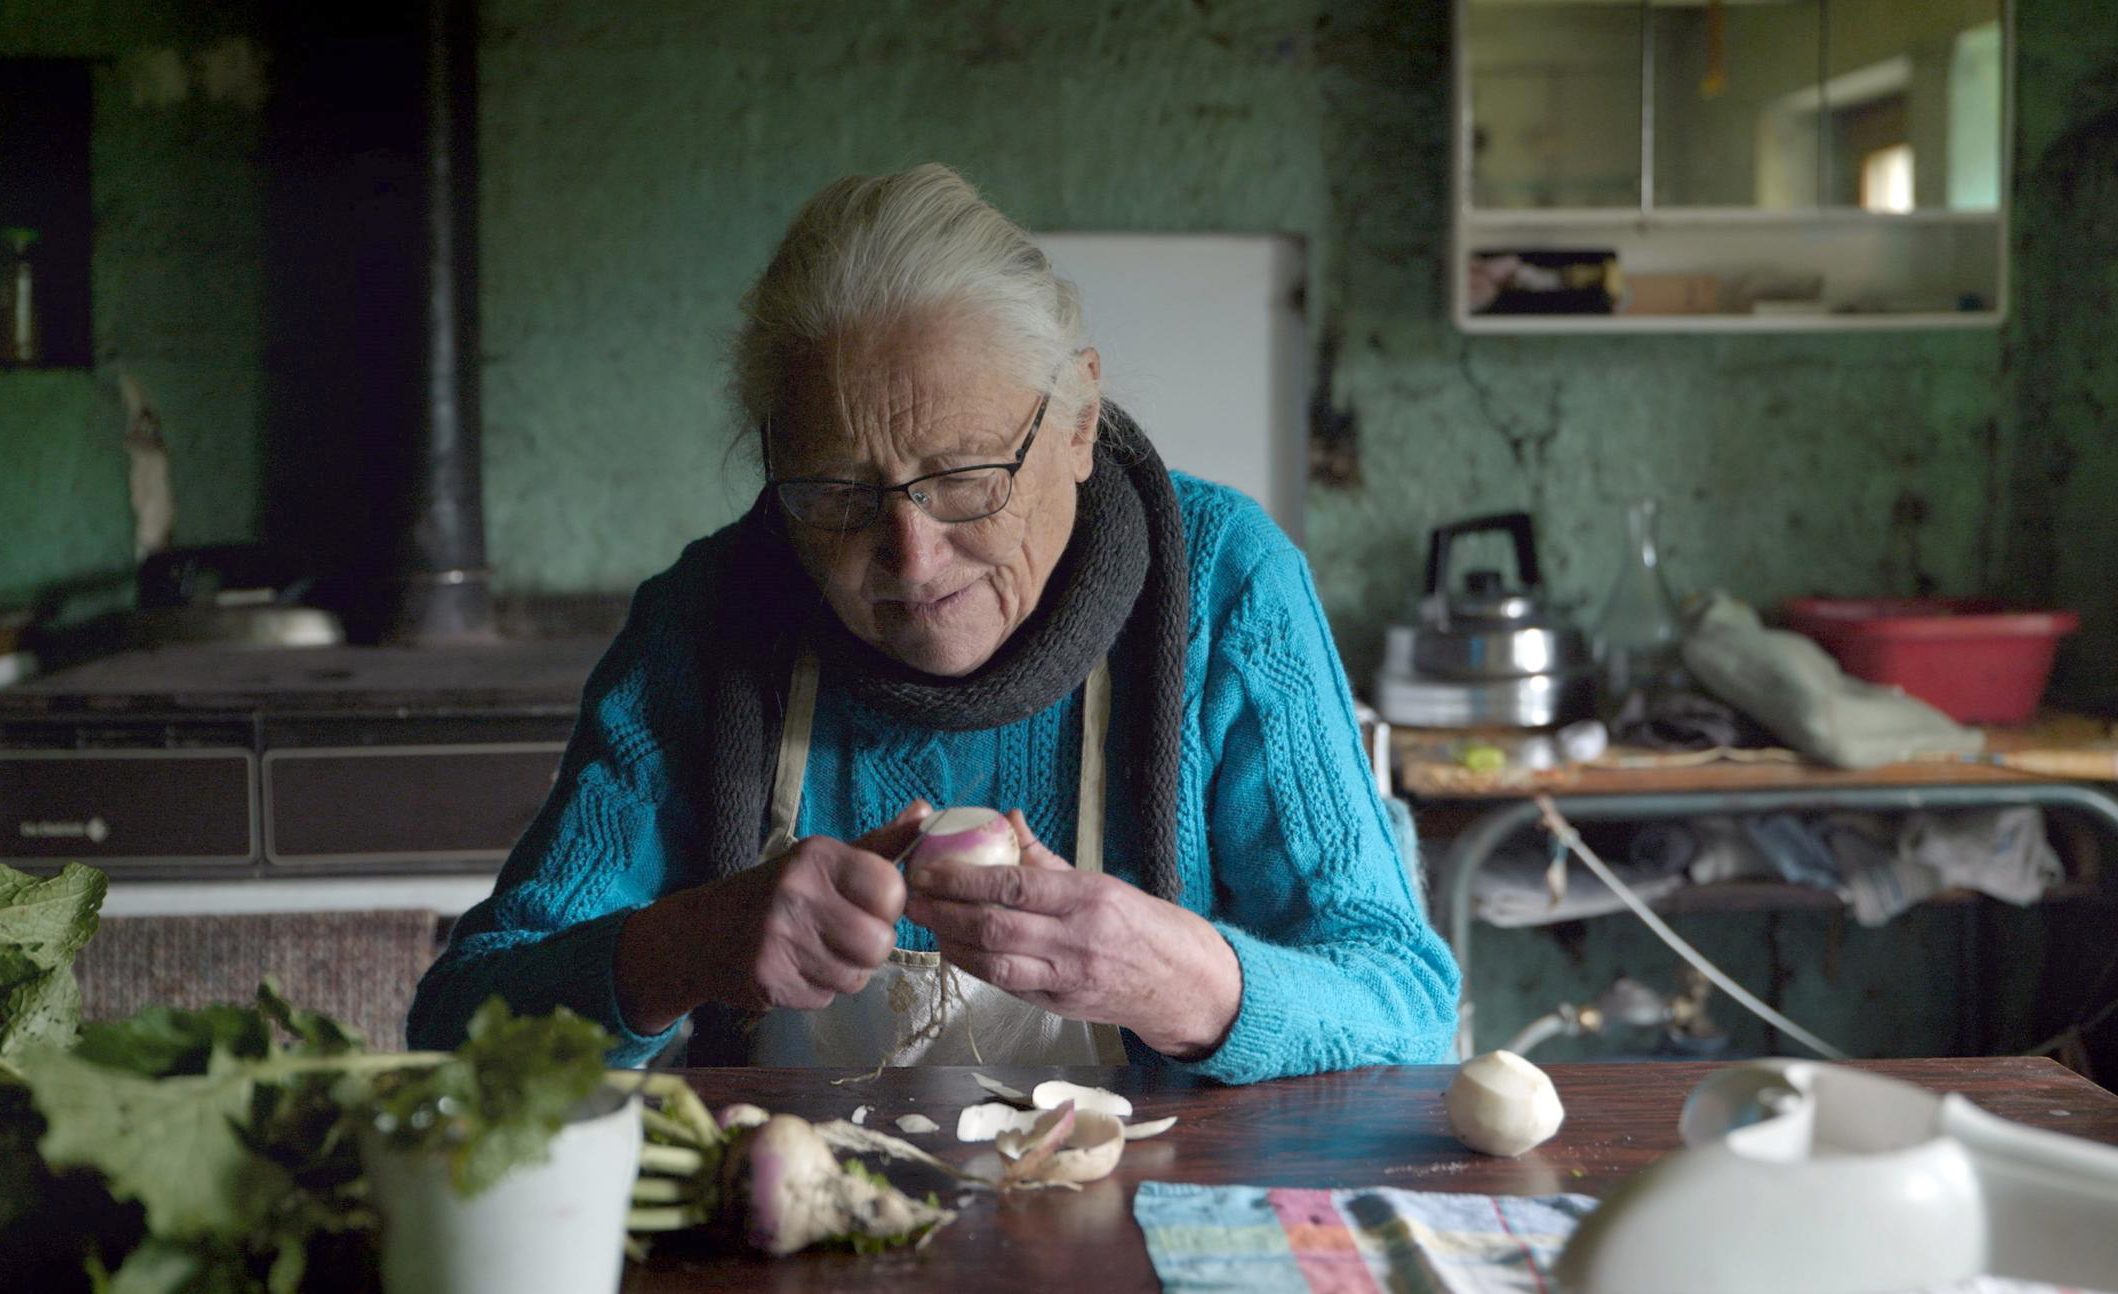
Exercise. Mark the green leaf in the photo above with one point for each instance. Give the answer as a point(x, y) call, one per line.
point(43, 923)
point(22, 1176)
point(290, 1262)
point(49, 919)
point(495, 1104)
point(173, 1144)
point(156, 1267)
point(315, 1033)
point(42, 1010)
point(161, 1040)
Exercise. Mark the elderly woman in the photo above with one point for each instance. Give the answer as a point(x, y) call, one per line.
point(968, 581)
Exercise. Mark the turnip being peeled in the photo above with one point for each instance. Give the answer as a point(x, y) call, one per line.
point(972, 836)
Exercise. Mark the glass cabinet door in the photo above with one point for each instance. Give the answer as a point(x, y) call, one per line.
point(1553, 104)
point(1731, 164)
point(1735, 95)
point(1910, 105)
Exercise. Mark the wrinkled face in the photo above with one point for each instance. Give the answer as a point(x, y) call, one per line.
point(886, 407)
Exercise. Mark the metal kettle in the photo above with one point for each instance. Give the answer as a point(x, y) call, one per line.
point(1486, 653)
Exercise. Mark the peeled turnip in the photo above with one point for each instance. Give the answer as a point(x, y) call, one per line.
point(1501, 1104)
point(978, 837)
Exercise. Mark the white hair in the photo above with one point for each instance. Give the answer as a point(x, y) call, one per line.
point(873, 251)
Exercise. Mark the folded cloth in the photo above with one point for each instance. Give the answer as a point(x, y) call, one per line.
point(1800, 854)
point(1885, 870)
point(1240, 1239)
point(1514, 889)
point(1682, 721)
point(2000, 852)
point(1880, 867)
point(1882, 890)
point(1725, 852)
point(1795, 688)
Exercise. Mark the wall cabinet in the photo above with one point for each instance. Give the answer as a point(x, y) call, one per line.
point(1672, 165)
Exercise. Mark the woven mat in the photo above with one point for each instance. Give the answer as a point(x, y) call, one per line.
point(359, 967)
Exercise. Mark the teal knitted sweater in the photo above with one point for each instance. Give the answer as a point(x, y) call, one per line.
point(1285, 843)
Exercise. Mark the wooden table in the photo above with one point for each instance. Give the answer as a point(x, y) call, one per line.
point(1424, 775)
point(1367, 1127)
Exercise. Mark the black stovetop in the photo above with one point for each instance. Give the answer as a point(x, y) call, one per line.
point(540, 677)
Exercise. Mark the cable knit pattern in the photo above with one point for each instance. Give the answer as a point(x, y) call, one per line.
point(1283, 843)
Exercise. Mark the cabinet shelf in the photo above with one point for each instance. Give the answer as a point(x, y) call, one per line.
point(1604, 325)
point(1794, 166)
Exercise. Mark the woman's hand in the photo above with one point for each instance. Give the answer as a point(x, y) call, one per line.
point(795, 931)
point(1084, 946)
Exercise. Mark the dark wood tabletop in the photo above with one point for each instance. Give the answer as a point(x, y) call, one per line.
point(1365, 1127)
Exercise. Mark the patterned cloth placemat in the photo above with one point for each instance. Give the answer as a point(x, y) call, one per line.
point(1243, 1239)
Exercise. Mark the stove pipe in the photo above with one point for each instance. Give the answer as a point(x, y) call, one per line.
point(438, 587)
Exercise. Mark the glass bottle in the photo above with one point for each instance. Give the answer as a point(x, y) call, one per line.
point(1639, 636)
point(19, 343)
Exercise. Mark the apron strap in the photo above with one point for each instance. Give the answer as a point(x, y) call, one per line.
point(793, 763)
point(1095, 725)
point(1088, 823)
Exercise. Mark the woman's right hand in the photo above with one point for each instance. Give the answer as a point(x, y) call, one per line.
point(794, 931)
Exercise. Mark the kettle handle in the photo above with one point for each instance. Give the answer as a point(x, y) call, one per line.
point(1516, 524)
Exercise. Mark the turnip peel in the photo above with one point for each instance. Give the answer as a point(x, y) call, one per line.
point(1000, 1089)
point(987, 1121)
point(1050, 1095)
point(1067, 1146)
point(1029, 1150)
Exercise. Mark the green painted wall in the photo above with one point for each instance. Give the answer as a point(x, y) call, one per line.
point(638, 168)
point(1789, 464)
point(2061, 363)
point(177, 290)
point(637, 171)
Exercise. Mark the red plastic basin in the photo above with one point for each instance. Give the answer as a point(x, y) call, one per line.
point(1976, 661)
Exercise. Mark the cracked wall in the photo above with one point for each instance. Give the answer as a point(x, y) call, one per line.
point(638, 167)
point(176, 282)
point(1828, 463)
point(2061, 365)
point(639, 164)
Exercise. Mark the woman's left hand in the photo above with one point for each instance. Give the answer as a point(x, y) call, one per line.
point(1082, 945)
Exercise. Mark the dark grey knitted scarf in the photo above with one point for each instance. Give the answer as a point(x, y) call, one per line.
point(1121, 590)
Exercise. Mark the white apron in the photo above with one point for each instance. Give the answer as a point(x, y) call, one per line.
point(858, 1030)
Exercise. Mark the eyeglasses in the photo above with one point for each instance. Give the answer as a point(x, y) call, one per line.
point(954, 495)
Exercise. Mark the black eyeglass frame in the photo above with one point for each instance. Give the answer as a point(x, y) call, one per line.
point(881, 493)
